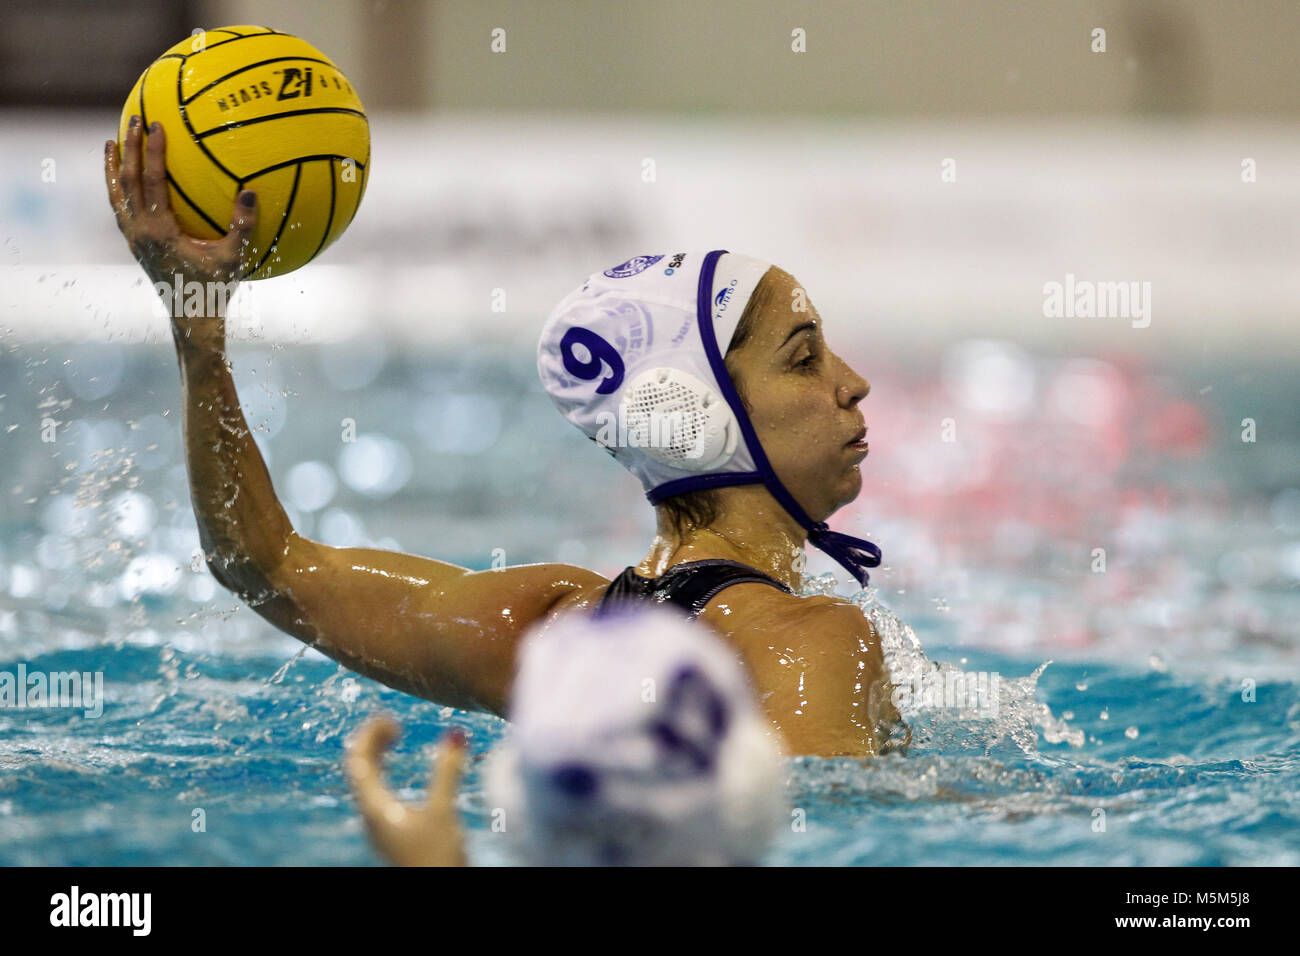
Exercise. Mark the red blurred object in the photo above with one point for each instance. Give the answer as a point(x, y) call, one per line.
point(1178, 428)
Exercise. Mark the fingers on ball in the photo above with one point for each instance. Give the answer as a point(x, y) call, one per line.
point(129, 170)
point(113, 177)
point(155, 170)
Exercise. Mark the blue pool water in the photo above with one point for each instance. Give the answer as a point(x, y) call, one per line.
point(1209, 780)
point(1166, 730)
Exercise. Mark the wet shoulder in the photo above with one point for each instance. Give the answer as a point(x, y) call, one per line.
point(756, 612)
point(575, 588)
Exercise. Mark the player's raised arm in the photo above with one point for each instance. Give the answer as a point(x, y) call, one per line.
point(421, 626)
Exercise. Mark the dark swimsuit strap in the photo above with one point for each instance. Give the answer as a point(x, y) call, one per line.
point(707, 578)
point(693, 584)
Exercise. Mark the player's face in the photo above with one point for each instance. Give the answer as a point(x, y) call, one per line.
point(804, 403)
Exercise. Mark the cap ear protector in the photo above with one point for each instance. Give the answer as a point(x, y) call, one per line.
point(679, 420)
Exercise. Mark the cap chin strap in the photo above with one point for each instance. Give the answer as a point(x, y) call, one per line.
point(855, 555)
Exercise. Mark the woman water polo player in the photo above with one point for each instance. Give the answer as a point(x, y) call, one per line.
point(765, 444)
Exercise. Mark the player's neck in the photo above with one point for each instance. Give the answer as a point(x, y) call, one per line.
point(752, 529)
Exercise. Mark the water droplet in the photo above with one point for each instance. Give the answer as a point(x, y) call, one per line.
point(1131, 733)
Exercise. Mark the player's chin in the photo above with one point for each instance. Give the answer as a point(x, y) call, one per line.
point(847, 486)
point(854, 482)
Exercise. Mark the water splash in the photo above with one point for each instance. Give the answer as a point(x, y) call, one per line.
point(278, 676)
point(957, 710)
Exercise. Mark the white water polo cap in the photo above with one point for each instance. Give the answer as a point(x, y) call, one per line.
point(635, 739)
point(634, 359)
